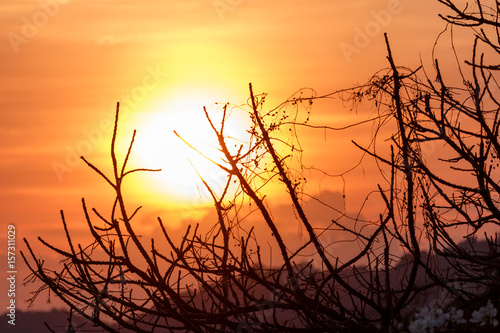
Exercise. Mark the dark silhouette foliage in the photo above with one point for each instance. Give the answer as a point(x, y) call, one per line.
point(441, 213)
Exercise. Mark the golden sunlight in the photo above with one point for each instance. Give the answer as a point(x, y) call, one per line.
point(190, 155)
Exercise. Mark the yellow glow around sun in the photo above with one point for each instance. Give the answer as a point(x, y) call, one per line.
point(158, 147)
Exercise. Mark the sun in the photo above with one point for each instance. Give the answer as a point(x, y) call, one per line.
point(158, 147)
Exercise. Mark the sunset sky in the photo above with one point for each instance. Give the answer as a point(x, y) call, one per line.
point(65, 64)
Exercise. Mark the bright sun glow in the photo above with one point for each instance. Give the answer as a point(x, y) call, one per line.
point(157, 146)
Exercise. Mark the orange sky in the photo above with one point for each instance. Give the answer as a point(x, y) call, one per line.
point(65, 63)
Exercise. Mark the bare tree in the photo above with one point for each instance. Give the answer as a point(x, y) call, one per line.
point(219, 281)
point(446, 201)
point(231, 287)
